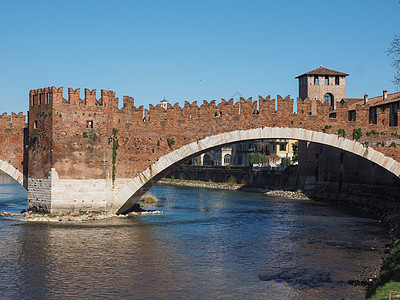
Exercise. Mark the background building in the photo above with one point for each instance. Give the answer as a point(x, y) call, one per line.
point(238, 154)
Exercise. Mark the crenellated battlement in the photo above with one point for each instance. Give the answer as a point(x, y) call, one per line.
point(14, 121)
point(266, 108)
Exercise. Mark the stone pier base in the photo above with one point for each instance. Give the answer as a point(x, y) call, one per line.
point(52, 195)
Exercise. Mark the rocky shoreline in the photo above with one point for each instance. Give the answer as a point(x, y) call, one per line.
point(200, 184)
point(234, 187)
point(74, 216)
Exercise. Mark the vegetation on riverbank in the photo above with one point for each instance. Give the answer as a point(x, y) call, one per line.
point(198, 183)
point(148, 199)
point(387, 209)
point(388, 281)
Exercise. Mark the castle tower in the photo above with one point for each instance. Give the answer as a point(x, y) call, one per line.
point(164, 103)
point(323, 84)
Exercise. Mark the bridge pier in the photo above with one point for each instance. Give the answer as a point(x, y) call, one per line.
point(53, 194)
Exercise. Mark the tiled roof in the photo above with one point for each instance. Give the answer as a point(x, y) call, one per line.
point(324, 71)
point(352, 102)
point(377, 101)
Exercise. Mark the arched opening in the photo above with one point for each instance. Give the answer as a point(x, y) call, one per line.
point(329, 98)
point(227, 159)
point(14, 173)
point(207, 160)
point(130, 192)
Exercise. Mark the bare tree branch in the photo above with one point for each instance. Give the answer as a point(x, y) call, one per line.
point(394, 53)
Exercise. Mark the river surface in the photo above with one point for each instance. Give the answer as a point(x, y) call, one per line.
point(208, 244)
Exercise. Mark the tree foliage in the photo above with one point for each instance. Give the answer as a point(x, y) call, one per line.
point(394, 53)
point(256, 158)
point(295, 148)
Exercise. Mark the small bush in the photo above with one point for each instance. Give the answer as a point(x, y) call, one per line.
point(357, 134)
point(286, 162)
point(170, 142)
point(232, 180)
point(148, 199)
point(341, 133)
point(35, 135)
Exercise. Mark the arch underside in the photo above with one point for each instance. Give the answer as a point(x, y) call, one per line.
point(128, 195)
point(13, 173)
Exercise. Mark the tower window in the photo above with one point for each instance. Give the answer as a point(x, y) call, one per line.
point(316, 82)
point(326, 80)
point(35, 124)
point(337, 80)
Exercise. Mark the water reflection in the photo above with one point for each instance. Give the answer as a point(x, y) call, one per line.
point(207, 244)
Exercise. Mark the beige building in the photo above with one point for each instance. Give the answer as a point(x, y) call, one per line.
point(323, 84)
point(274, 151)
point(277, 150)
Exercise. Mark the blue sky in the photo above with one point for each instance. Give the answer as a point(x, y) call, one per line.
point(192, 50)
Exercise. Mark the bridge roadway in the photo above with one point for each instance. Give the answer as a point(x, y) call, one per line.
point(89, 154)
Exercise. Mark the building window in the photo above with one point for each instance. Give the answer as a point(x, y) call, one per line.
point(47, 98)
point(316, 82)
point(337, 80)
point(326, 80)
point(393, 114)
point(35, 124)
point(89, 124)
point(352, 115)
point(372, 115)
point(282, 147)
point(207, 160)
point(227, 159)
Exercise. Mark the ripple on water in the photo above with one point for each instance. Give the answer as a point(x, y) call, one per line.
point(207, 244)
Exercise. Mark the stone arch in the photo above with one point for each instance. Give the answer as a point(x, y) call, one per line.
point(13, 173)
point(129, 193)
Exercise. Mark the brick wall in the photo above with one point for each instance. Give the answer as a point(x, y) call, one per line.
point(12, 140)
point(144, 135)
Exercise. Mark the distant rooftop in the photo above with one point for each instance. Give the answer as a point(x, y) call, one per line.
point(324, 71)
point(377, 101)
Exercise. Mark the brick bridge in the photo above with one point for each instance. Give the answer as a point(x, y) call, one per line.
point(89, 154)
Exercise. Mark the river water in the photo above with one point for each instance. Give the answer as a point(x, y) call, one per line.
point(208, 244)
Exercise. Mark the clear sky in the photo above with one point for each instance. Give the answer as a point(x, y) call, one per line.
point(192, 50)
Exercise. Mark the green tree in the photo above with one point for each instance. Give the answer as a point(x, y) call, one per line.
point(286, 162)
point(256, 158)
point(295, 148)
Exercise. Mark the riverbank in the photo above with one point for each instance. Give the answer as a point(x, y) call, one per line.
point(387, 210)
point(233, 187)
point(74, 216)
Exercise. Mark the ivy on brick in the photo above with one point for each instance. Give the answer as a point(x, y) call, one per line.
point(114, 153)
